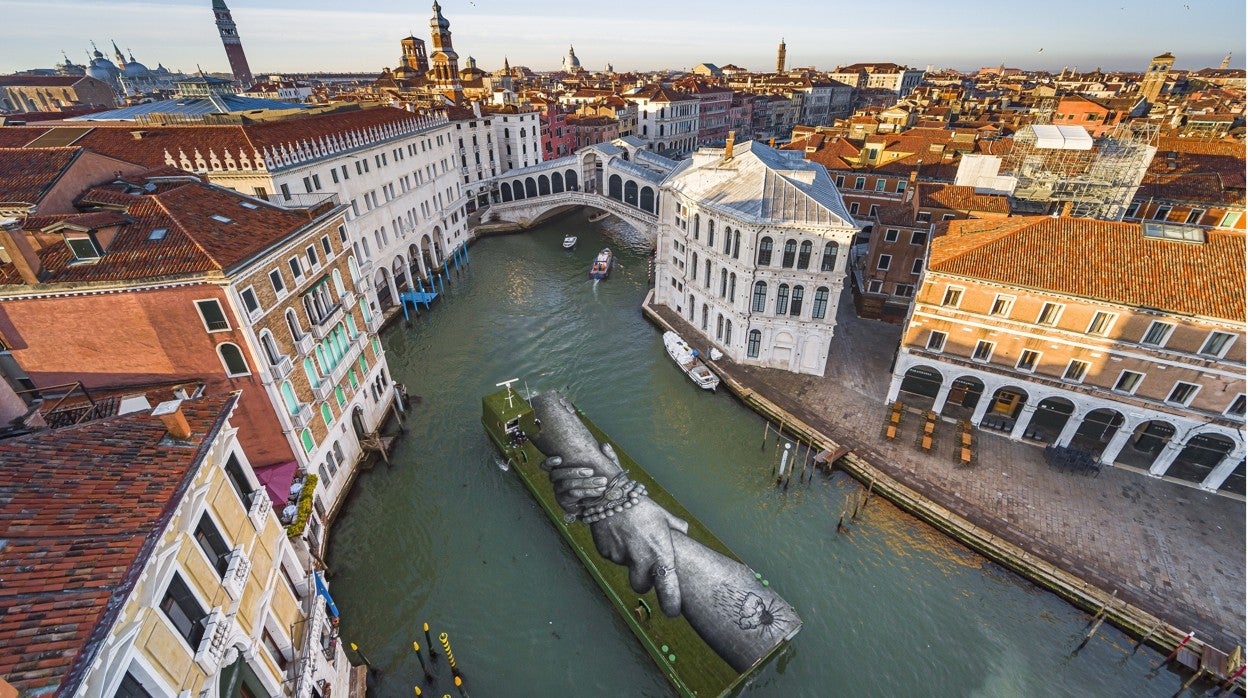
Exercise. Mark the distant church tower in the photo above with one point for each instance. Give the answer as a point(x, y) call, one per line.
point(414, 56)
point(780, 58)
point(444, 59)
point(1155, 78)
point(1226, 62)
point(233, 44)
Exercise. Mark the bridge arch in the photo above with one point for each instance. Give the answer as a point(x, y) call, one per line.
point(615, 187)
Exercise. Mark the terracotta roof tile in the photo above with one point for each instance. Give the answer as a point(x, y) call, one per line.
point(961, 198)
point(1101, 260)
point(26, 175)
point(83, 508)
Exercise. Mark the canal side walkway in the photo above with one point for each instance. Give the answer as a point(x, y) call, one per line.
point(1175, 552)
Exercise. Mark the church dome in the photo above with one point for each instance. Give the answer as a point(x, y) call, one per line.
point(438, 21)
point(135, 70)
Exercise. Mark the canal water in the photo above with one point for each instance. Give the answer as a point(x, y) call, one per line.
point(445, 536)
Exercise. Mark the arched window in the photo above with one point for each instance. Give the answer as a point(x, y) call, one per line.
point(338, 286)
point(530, 188)
point(795, 308)
point(723, 283)
point(820, 308)
point(692, 304)
point(790, 250)
point(706, 316)
point(292, 322)
point(736, 244)
point(719, 327)
point(732, 287)
point(710, 234)
point(760, 296)
point(288, 398)
point(615, 187)
point(727, 331)
point(327, 414)
point(803, 257)
point(727, 240)
point(232, 358)
point(354, 269)
point(708, 273)
point(697, 226)
point(764, 252)
point(751, 346)
point(829, 257)
point(305, 438)
point(630, 193)
point(310, 371)
point(556, 182)
point(505, 188)
point(543, 185)
point(647, 200)
point(269, 347)
point(569, 177)
point(695, 267)
point(782, 299)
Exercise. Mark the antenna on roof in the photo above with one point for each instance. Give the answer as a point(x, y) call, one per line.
point(510, 392)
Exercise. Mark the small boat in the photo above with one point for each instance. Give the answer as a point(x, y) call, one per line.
point(687, 358)
point(602, 265)
point(569, 242)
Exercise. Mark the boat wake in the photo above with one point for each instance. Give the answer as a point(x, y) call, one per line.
point(502, 464)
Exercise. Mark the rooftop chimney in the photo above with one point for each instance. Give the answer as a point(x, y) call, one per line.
point(170, 413)
point(732, 137)
point(1066, 206)
point(20, 251)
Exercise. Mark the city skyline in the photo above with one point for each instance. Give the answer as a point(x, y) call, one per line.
point(281, 39)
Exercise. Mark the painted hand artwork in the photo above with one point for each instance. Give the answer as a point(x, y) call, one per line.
point(722, 599)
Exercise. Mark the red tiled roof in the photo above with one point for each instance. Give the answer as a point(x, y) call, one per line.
point(26, 175)
point(194, 243)
point(40, 80)
point(961, 198)
point(84, 508)
point(1102, 260)
point(1198, 177)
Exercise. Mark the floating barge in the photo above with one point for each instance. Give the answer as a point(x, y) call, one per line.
point(692, 666)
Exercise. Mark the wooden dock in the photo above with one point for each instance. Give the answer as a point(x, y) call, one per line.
point(691, 666)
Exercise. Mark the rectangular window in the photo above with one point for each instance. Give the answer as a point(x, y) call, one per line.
point(1133, 210)
point(904, 290)
point(213, 545)
point(918, 237)
point(1002, 305)
point(901, 186)
point(333, 174)
point(1237, 406)
point(936, 341)
point(885, 261)
point(860, 182)
point(83, 248)
point(890, 235)
point(1075, 371)
point(296, 268)
point(874, 210)
point(274, 650)
point(313, 258)
point(1229, 220)
point(1195, 215)
point(853, 208)
point(953, 297)
point(1049, 314)
point(840, 181)
point(238, 479)
point(917, 267)
point(1101, 322)
point(1162, 213)
point(183, 610)
point(1128, 381)
point(327, 247)
point(260, 192)
point(1028, 360)
point(307, 184)
point(1157, 334)
point(880, 184)
point(249, 300)
point(923, 217)
point(875, 286)
point(1217, 344)
point(212, 315)
point(983, 350)
point(275, 277)
point(1182, 393)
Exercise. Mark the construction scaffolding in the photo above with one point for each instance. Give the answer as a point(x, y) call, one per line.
point(1063, 164)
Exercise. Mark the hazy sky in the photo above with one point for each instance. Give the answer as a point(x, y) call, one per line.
point(296, 35)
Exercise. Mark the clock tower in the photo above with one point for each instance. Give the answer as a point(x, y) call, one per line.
point(233, 44)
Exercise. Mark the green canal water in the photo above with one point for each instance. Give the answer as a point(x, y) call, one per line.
point(445, 536)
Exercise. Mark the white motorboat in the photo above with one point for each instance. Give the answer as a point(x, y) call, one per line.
point(687, 358)
point(569, 242)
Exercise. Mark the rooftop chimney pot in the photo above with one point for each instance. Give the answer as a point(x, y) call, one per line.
point(170, 412)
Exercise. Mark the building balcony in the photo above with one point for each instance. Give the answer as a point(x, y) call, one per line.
point(260, 508)
point(303, 417)
point(373, 323)
point(323, 390)
point(236, 572)
point(280, 370)
point(322, 329)
point(348, 298)
point(218, 628)
point(316, 203)
point(304, 344)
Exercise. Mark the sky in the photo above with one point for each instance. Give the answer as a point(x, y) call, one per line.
point(325, 35)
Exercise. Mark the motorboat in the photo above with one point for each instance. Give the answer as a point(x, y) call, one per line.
point(602, 264)
point(569, 242)
point(687, 358)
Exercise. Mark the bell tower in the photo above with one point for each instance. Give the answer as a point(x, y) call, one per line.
point(1155, 78)
point(414, 56)
point(444, 59)
point(233, 44)
point(780, 57)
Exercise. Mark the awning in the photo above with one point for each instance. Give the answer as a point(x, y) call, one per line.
point(324, 591)
point(277, 480)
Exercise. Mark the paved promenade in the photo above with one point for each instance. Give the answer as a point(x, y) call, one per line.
point(1174, 551)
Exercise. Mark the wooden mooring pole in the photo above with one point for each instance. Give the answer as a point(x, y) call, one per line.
point(1188, 684)
point(766, 428)
point(1147, 635)
point(1097, 620)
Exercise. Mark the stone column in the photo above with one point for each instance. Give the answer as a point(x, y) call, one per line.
point(1114, 447)
point(1218, 475)
point(981, 408)
point(941, 396)
point(894, 388)
point(1068, 430)
point(1165, 459)
point(1024, 419)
